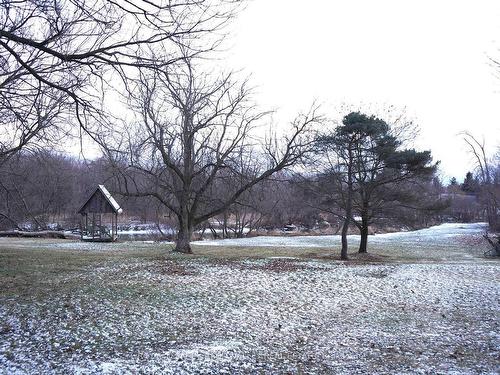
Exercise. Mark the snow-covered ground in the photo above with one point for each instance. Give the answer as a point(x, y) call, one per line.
point(434, 234)
point(439, 242)
point(99, 312)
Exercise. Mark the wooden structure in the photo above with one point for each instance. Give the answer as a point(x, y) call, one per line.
point(100, 216)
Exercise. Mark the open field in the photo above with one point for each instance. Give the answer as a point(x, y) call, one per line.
point(422, 302)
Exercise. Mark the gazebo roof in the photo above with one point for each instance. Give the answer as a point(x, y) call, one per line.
point(100, 201)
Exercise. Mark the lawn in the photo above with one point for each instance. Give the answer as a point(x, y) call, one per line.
point(415, 305)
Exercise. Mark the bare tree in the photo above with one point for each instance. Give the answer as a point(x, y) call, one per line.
point(30, 115)
point(197, 137)
point(489, 189)
point(76, 52)
point(37, 188)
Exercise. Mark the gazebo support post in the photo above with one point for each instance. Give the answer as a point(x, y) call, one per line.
point(115, 228)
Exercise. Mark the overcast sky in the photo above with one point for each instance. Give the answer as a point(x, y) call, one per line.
point(430, 57)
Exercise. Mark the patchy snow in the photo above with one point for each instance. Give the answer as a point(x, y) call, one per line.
point(146, 230)
point(151, 314)
point(110, 199)
point(432, 234)
point(103, 246)
point(138, 231)
point(235, 318)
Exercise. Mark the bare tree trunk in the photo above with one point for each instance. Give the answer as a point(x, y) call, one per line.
point(12, 221)
point(225, 232)
point(492, 208)
point(182, 245)
point(495, 244)
point(158, 223)
point(213, 231)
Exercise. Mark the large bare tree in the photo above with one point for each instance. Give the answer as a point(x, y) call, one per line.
point(199, 145)
point(73, 53)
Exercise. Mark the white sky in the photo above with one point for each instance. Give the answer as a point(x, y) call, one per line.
point(428, 56)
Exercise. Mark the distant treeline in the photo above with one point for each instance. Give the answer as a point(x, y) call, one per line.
point(43, 190)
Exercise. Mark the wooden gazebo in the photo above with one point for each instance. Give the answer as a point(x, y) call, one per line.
point(101, 205)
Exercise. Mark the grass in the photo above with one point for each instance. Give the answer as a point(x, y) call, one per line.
point(136, 307)
point(32, 265)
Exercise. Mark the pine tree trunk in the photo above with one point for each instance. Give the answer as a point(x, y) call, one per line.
point(345, 227)
point(363, 245)
point(348, 207)
point(364, 238)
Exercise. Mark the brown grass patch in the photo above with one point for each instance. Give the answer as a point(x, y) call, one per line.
point(276, 265)
point(172, 268)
